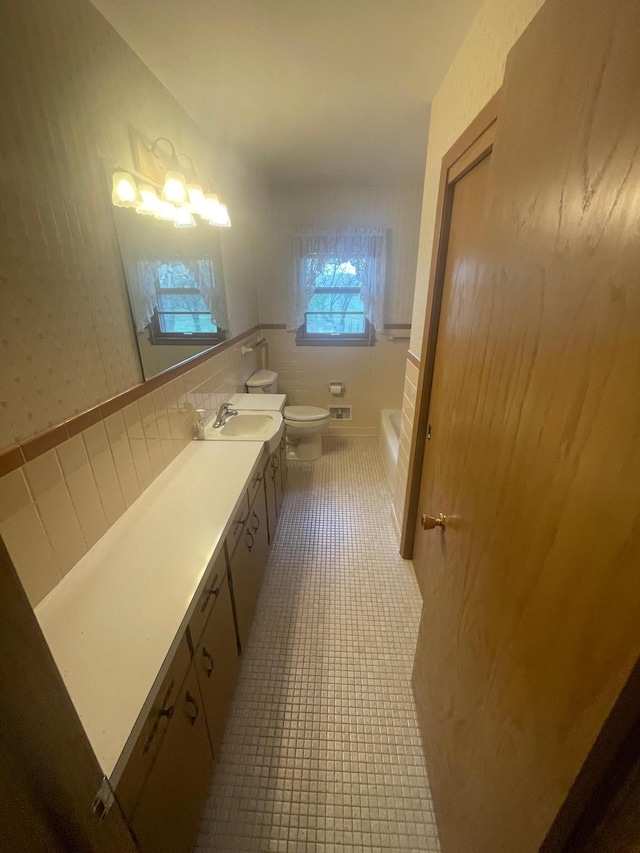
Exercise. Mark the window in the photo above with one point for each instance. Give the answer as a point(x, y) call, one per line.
point(339, 287)
point(178, 293)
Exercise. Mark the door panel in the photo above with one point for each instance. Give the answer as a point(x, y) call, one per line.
point(529, 627)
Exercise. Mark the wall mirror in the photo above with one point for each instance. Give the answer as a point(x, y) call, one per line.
point(176, 288)
point(175, 284)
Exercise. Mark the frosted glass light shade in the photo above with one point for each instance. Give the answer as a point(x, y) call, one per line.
point(183, 217)
point(196, 198)
point(212, 210)
point(165, 211)
point(175, 188)
point(224, 216)
point(150, 200)
point(125, 192)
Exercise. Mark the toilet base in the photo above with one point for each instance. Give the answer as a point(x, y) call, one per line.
point(304, 449)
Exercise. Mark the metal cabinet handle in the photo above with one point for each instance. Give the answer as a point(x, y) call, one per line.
point(255, 526)
point(239, 524)
point(164, 712)
point(276, 462)
point(212, 591)
point(191, 701)
point(209, 669)
point(251, 543)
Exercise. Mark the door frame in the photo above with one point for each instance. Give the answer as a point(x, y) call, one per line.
point(474, 144)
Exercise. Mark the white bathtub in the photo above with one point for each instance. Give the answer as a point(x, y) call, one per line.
point(389, 438)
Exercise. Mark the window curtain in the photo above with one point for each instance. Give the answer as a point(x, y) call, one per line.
point(365, 248)
point(143, 292)
point(144, 299)
point(202, 272)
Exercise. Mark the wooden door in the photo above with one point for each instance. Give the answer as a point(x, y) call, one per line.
point(531, 595)
point(217, 663)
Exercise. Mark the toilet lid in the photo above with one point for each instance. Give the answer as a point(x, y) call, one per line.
point(305, 413)
point(261, 378)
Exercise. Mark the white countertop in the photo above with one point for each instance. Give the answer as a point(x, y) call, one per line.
point(114, 621)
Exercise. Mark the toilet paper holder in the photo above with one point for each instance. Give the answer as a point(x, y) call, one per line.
point(336, 388)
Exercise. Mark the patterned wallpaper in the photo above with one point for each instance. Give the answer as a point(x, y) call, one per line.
point(70, 92)
point(393, 207)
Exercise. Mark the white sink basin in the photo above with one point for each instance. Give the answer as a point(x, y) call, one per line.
point(250, 426)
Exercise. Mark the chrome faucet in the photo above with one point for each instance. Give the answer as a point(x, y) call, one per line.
point(224, 413)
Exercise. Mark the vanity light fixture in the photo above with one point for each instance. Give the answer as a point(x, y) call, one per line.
point(150, 201)
point(174, 200)
point(184, 217)
point(125, 192)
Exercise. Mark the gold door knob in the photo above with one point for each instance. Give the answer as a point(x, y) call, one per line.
point(428, 522)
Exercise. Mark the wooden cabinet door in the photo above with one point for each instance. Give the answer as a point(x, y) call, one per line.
point(530, 622)
point(143, 755)
point(276, 478)
point(169, 809)
point(247, 567)
point(217, 662)
point(215, 582)
point(284, 466)
point(270, 498)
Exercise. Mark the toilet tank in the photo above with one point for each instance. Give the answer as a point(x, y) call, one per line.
point(263, 382)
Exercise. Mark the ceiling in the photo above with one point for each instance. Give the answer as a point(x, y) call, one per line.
point(312, 91)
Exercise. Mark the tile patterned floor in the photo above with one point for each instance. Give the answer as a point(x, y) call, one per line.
point(322, 751)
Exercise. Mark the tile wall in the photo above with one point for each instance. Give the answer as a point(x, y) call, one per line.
point(56, 506)
point(404, 447)
point(373, 377)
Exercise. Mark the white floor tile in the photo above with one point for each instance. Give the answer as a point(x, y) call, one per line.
point(322, 750)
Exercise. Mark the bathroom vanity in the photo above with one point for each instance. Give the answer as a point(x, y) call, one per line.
point(148, 628)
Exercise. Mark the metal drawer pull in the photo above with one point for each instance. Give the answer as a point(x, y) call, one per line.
point(276, 463)
point(255, 526)
point(213, 591)
point(208, 670)
point(189, 698)
point(251, 543)
point(164, 712)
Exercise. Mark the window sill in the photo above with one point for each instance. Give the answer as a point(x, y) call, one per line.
point(335, 342)
point(304, 339)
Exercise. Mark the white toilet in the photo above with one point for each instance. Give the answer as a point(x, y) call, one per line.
point(303, 424)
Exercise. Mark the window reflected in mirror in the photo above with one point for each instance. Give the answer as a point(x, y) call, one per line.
point(176, 289)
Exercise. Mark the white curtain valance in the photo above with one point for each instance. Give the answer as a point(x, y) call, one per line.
point(313, 249)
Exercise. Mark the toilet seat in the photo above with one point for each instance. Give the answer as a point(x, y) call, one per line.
point(305, 414)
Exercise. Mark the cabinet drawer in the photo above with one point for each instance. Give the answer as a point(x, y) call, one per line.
point(255, 485)
point(142, 757)
point(217, 577)
point(239, 521)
